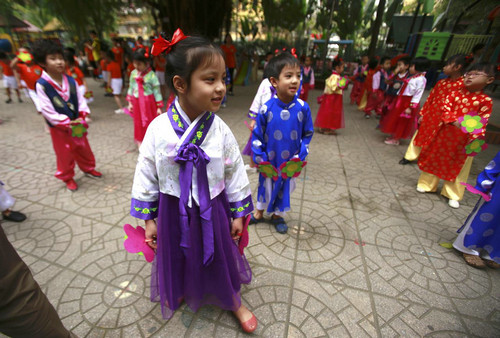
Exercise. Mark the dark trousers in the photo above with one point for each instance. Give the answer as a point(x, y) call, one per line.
point(24, 309)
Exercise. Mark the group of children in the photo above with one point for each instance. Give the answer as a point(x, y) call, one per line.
point(445, 134)
point(190, 184)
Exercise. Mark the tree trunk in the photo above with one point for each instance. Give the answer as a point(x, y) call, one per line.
point(376, 28)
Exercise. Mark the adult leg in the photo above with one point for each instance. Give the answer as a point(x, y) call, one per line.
point(24, 310)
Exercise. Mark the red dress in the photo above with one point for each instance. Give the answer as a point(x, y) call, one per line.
point(444, 156)
point(397, 122)
point(431, 112)
point(331, 110)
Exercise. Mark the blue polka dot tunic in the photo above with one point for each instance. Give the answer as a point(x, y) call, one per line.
point(283, 131)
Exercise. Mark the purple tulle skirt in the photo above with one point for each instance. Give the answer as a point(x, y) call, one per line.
point(179, 275)
point(248, 148)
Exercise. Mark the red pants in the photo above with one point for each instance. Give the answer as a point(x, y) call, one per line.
point(375, 101)
point(69, 149)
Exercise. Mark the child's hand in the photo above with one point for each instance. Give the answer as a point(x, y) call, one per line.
point(252, 124)
point(456, 124)
point(151, 232)
point(420, 119)
point(130, 107)
point(408, 111)
point(158, 111)
point(236, 228)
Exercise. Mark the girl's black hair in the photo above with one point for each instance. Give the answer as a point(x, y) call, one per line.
point(44, 47)
point(459, 60)
point(405, 60)
point(337, 61)
point(421, 64)
point(188, 55)
point(373, 63)
point(277, 63)
point(140, 55)
point(3, 55)
point(485, 67)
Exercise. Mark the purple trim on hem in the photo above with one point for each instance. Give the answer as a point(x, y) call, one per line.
point(241, 208)
point(144, 210)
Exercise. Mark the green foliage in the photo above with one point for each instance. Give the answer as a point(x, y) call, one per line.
point(393, 7)
point(192, 16)
point(38, 13)
point(286, 14)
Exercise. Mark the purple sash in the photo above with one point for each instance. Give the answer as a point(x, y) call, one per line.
point(191, 155)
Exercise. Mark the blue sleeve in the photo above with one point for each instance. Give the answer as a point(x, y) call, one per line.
point(307, 132)
point(488, 177)
point(259, 145)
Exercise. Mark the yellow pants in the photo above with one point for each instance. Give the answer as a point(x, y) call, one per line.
point(363, 101)
point(413, 151)
point(451, 189)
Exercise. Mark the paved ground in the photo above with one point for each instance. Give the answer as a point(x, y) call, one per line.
point(362, 257)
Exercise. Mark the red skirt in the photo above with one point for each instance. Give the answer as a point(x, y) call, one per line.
point(356, 92)
point(375, 101)
point(143, 115)
point(331, 112)
point(398, 126)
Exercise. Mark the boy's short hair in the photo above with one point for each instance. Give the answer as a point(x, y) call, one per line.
point(421, 64)
point(384, 59)
point(277, 63)
point(110, 55)
point(373, 63)
point(3, 55)
point(44, 47)
point(486, 67)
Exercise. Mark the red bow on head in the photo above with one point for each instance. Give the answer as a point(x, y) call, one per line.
point(161, 44)
point(293, 52)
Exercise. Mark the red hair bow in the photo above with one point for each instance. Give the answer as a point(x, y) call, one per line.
point(161, 45)
point(293, 52)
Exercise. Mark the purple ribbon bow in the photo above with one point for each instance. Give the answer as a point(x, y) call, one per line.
point(190, 155)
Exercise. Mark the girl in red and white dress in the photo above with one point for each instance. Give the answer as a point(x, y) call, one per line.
point(401, 120)
point(379, 86)
point(331, 111)
point(448, 155)
point(431, 112)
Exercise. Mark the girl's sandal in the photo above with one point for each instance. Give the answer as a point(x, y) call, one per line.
point(474, 261)
point(280, 225)
point(254, 220)
point(492, 264)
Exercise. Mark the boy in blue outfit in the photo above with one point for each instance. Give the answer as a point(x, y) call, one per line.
point(280, 141)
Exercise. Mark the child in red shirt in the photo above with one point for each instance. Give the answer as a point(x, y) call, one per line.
point(9, 80)
point(115, 81)
point(76, 73)
point(28, 73)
